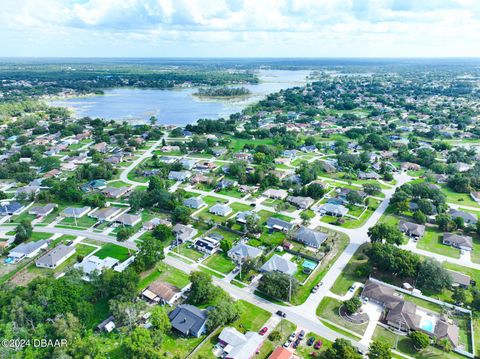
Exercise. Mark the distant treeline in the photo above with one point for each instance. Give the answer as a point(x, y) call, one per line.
point(19, 83)
point(223, 91)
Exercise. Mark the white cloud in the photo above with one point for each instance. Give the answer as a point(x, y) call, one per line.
point(294, 27)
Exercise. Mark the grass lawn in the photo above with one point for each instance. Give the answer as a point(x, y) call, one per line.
point(432, 241)
point(211, 200)
point(305, 351)
point(232, 192)
point(40, 235)
point(85, 222)
point(458, 198)
point(113, 251)
point(237, 144)
point(220, 262)
point(328, 309)
point(475, 254)
point(404, 345)
point(240, 207)
point(174, 345)
point(285, 328)
point(348, 277)
point(207, 216)
point(165, 273)
point(23, 217)
point(191, 253)
point(275, 238)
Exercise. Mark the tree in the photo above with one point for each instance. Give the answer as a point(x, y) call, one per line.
point(202, 289)
point(394, 260)
point(315, 191)
point(432, 276)
point(352, 305)
point(126, 312)
point(459, 295)
point(123, 233)
point(385, 232)
point(160, 320)
point(274, 336)
point(420, 340)
point(445, 222)
point(342, 349)
point(379, 350)
point(163, 233)
point(224, 312)
point(419, 217)
point(23, 231)
point(225, 245)
point(354, 198)
point(140, 344)
point(305, 217)
point(150, 252)
point(372, 189)
point(136, 199)
point(445, 344)
point(278, 285)
point(252, 223)
point(181, 214)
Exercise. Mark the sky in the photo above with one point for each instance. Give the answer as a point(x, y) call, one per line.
point(240, 28)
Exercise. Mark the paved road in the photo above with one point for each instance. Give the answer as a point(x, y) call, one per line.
point(134, 164)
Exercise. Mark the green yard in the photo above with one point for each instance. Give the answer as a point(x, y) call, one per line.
point(348, 275)
point(220, 262)
point(114, 251)
point(165, 273)
point(190, 253)
point(328, 309)
point(84, 222)
point(458, 198)
point(285, 328)
point(432, 242)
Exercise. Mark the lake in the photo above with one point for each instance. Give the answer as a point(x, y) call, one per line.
point(176, 106)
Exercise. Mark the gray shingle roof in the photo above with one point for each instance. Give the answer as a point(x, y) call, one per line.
point(279, 264)
point(310, 237)
point(188, 319)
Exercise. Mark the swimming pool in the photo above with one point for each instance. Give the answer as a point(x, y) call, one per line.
point(309, 264)
point(426, 323)
point(9, 260)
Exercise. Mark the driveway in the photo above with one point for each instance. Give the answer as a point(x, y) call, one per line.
point(374, 312)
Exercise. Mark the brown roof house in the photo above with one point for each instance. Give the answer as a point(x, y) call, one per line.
point(161, 292)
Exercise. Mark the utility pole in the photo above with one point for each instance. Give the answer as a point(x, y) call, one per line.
point(290, 290)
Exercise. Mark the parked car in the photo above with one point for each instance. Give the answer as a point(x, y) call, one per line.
point(318, 344)
point(263, 331)
point(310, 341)
point(282, 314)
point(296, 343)
point(314, 289)
point(352, 288)
point(292, 336)
point(287, 344)
point(301, 335)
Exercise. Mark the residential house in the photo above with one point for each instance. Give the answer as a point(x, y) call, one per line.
point(116, 192)
point(94, 185)
point(405, 316)
point(455, 240)
point(187, 163)
point(205, 166)
point(411, 229)
point(55, 257)
point(310, 237)
point(279, 264)
point(370, 175)
point(241, 217)
point(236, 345)
point(93, 264)
point(11, 208)
point(219, 209)
point(462, 167)
point(468, 218)
point(208, 244)
point(73, 212)
point(42, 211)
point(475, 196)
point(161, 292)
point(101, 147)
point(282, 353)
point(184, 233)
point(189, 320)
point(27, 191)
point(220, 151)
point(26, 250)
point(301, 202)
point(409, 166)
point(151, 224)
point(275, 193)
point(105, 214)
point(180, 176)
point(168, 160)
point(460, 279)
point(54, 173)
point(278, 224)
point(242, 252)
point(194, 202)
point(332, 209)
point(169, 148)
point(226, 183)
point(128, 219)
point(107, 325)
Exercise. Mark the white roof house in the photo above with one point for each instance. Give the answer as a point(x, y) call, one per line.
point(275, 193)
point(55, 257)
point(93, 263)
point(74, 212)
point(27, 250)
point(243, 251)
point(220, 210)
point(194, 202)
point(279, 264)
point(128, 219)
point(237, 345)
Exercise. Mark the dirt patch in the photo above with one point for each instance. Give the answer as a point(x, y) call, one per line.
point(355, 318)
point(23, 277)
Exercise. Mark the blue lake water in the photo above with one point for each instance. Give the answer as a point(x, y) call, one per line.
point(175, 106)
